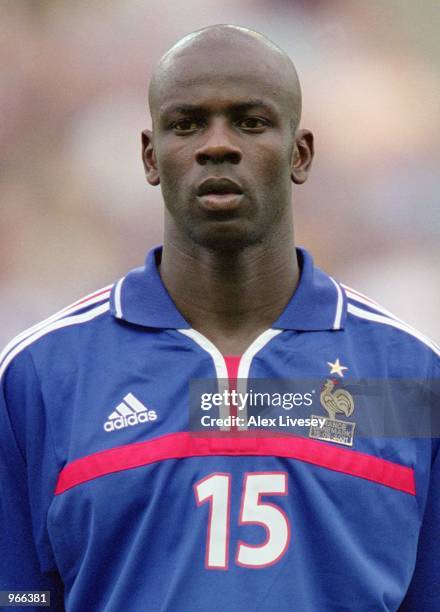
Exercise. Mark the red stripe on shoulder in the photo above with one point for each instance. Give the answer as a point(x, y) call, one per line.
point(92, 296)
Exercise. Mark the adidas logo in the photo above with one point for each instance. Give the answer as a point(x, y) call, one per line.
point(129, 412)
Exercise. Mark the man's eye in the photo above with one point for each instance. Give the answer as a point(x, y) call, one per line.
point(252, 123)
point(185, 125)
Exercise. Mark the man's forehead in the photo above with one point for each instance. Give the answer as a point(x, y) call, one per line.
point(223, 86)
point(226, 57)
point(191, 76)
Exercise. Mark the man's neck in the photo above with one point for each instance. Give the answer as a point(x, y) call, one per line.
point(231, 297)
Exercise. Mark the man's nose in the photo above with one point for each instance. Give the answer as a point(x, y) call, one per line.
point(218, 146)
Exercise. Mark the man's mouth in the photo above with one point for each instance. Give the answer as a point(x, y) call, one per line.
point(219, 194)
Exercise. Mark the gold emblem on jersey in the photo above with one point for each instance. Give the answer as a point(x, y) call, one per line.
point(335, 401)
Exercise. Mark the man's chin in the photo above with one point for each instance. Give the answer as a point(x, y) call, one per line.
point(225, 238)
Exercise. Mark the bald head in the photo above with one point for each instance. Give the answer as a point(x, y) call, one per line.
point(230, 52)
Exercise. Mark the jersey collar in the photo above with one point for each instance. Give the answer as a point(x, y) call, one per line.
point(141, 298)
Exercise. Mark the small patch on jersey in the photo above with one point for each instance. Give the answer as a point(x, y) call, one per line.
point(335, 401)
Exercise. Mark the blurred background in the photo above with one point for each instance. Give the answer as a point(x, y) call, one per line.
point(76, 212)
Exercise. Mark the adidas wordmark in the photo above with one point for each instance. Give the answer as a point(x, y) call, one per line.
point(129, 412)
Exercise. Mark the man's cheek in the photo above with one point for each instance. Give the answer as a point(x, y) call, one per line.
point(274, 173)
point(172, 174)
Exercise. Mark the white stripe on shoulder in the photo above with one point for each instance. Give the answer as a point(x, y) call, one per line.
point(59, 324)
point(338, 314)
point(359, 293)
point(93, 298)
point(353, 294)
point(95, 294)
point(372, 316)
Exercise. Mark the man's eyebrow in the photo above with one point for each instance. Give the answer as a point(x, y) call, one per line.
point(180, 108)
point(234, 107)
point(252, 103)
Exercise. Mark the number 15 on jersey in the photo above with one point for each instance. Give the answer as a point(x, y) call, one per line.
point(215, 489)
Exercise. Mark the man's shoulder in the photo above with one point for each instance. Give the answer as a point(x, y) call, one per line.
point(383, 326)
point(81, 312)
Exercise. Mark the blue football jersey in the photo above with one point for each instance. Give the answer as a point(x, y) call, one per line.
point(114, 497)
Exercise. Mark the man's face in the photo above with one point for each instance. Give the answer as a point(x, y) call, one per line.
point(223, 146)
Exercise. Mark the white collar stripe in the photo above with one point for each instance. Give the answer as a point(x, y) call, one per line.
point(209, 347)
point(246, 361)
point(339, 305)
point(219, 364)
point(118, 304)
point(253, 349)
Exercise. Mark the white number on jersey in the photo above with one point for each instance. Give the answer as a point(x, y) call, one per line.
point(216, 489)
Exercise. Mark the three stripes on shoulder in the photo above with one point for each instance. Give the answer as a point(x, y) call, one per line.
point(63, 318)
point(383, 316)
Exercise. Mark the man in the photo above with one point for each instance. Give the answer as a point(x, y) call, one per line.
point(107, 498)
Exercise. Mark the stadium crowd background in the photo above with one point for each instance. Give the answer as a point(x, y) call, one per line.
point(76, 212)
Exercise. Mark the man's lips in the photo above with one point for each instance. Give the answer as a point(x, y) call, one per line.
point(218, 186)
point(219, 194)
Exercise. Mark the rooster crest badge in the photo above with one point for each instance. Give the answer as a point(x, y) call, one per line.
point(336, 401)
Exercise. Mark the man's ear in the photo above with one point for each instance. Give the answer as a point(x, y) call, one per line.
point(303, 152)
point(149, 158)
